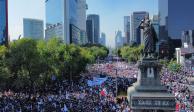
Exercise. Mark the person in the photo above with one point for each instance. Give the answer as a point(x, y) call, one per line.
point(150, 37)
point(65, 108)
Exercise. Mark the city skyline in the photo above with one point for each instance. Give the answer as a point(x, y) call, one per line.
point(36, 9)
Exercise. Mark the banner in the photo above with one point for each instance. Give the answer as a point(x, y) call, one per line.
point(96, 81)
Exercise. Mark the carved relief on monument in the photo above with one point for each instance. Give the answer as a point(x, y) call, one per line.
point(150, 72)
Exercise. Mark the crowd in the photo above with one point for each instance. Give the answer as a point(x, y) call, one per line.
point(178, 84)
point(123, 69)
point(80, 97)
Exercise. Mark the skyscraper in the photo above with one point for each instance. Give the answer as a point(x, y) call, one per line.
point(61, 20)
point(4, 22)
point(118, 39)
point(33, 28)
point(81, 15)
point(136, 18)
point(96, 26)
point(188, 37)
point(155, 23)
point(175, 16)
point(90, 31)
point(103, 39)
point(127, 29)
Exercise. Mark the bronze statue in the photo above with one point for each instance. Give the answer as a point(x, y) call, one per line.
point(150, 37)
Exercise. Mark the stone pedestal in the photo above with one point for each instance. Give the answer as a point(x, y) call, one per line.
point(148, 95)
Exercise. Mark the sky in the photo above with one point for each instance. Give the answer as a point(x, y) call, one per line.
point(111, 13)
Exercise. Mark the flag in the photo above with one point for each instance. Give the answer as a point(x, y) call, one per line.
point(103, 92)
point(177, 107)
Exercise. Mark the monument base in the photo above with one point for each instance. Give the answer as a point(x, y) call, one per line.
point(148, 95)
point(141, 101)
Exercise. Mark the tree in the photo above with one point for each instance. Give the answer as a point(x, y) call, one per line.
point(133, 54)
point(30, 64)
point(24, 63)
point(4, 71)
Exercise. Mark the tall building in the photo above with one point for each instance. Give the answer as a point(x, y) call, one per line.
point(81, 15)
point(188, 38)
point(127, 29)
point(191, 35)
point(90, 31)
point(61, 20)
point(103, 39)
point(155, 23)
point(118, 39)
point(96, 26)
point(136, 19)
point(55, 30)
point(175, 16)
point(33, 28)
point(4, 37)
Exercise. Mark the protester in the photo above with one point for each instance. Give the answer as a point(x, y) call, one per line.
point(63, 97)
point(177, 83)
point(96, 97)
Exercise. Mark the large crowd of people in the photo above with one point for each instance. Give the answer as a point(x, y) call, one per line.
point(80, 97)
point(178, 84)
point(123, 69)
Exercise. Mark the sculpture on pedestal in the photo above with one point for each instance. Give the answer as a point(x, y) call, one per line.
point(148, 94)
point(150, 37)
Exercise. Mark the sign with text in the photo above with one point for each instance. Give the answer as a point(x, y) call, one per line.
point(169, 103)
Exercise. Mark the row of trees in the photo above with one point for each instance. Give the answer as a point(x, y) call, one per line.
point(31, 64)
point(132, 53)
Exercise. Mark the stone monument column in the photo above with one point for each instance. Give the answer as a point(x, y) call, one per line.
point(148, 95)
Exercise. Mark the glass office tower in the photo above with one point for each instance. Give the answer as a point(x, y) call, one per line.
point(136, 19)
point(55, 19)
point(175, 16)
point(33, 28)
point(96, 26)
point(4, 22)
point(61, 15)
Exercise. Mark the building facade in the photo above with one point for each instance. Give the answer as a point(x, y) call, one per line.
point(81, 14)
point(55, 30)
point(188, 38)
point(136, 19)
point(4, 37)
point(103, 39)
point(191, 35)
point(90, 31)
point(33, 28)
point(61, 15)
point(155, 23)
point(175, 17)
point(127, 29)
point(96, 26)
point(118, 39)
